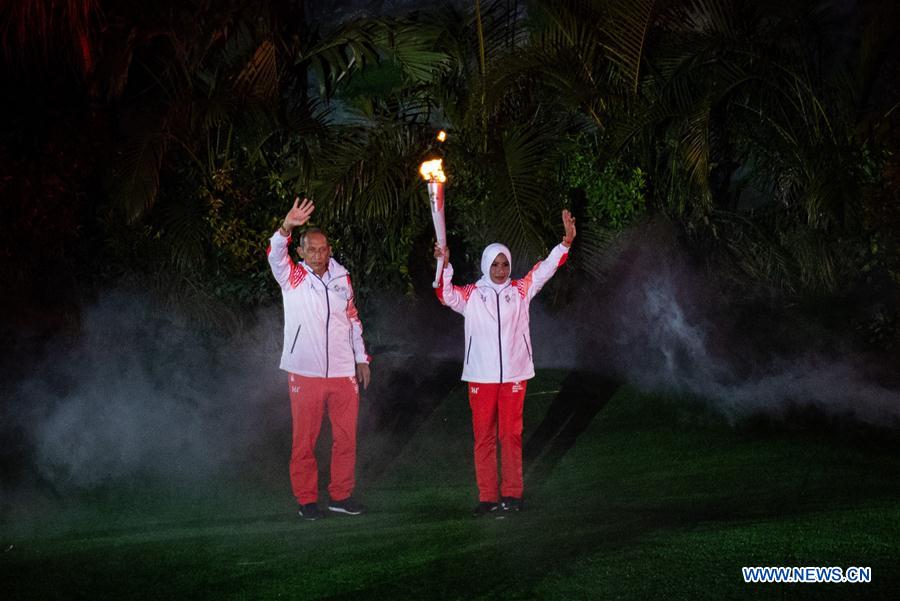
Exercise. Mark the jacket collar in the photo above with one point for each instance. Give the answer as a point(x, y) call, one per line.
point(335, 270)
point(487, 282)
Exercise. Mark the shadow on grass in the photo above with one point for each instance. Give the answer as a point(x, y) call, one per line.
point(398, 403)
point(582, 395)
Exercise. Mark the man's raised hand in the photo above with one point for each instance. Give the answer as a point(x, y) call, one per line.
point(299, 213)
point(569, 227)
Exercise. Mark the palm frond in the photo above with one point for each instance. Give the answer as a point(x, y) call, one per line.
point(627, 27)
point(413, 46)
point(595, 244)
point(695, 144)
point(333, 58)
point(527, 152)
point(570, 53)
point(367, 176)
point(180, 224)
point(259, 77)
point(135, 180)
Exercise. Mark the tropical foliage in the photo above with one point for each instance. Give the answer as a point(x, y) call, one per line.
point(764, 131)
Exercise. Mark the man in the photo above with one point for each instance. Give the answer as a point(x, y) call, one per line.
point(325, 358)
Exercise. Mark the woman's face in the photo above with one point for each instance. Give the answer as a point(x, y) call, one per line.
point(500, 269)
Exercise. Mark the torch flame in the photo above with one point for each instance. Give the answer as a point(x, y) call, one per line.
point(441, 136)
point(433, 171)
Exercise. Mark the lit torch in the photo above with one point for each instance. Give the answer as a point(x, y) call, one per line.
point(434, 175)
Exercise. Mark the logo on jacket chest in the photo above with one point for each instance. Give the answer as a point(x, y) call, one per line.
point(339, 289)
point(506, 297)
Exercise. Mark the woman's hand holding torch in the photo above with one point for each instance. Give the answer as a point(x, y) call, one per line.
point(441, 253)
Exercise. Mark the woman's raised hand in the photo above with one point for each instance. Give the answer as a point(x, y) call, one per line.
point(569, 227)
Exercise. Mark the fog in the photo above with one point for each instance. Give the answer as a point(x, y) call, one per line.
point(139, 391)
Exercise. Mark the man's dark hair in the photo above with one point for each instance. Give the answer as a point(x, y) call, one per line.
point(312, 230)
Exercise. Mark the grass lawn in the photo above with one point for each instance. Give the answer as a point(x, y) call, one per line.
point(635, 497)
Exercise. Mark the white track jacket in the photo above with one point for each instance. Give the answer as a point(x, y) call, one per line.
point(497, 334)
point(322, 331)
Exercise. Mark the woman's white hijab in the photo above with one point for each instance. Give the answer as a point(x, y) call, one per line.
point(487, 257)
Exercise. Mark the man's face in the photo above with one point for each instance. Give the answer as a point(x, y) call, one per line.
point(316, 252)
point(499, 269)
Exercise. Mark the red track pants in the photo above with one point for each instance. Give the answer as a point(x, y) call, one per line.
point(309, 398)
point(496, 405)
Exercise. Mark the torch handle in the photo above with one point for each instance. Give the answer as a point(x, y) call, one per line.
point(436, 196)
point(437, 273)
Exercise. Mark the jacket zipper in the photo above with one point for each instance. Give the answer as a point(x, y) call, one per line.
point(527, 348)
point(499, 339)
point(327, 321)
point(295, 338)
point(469, 350)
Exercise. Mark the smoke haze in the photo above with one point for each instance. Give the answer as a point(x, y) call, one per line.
point(658, 323)
point(141, 392)
point(138, 392)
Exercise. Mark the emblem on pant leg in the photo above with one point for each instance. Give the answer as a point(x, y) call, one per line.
point(295, 389)
point(517, 387)
point(473, 390)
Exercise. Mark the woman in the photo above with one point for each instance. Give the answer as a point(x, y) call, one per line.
point(498, 361)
